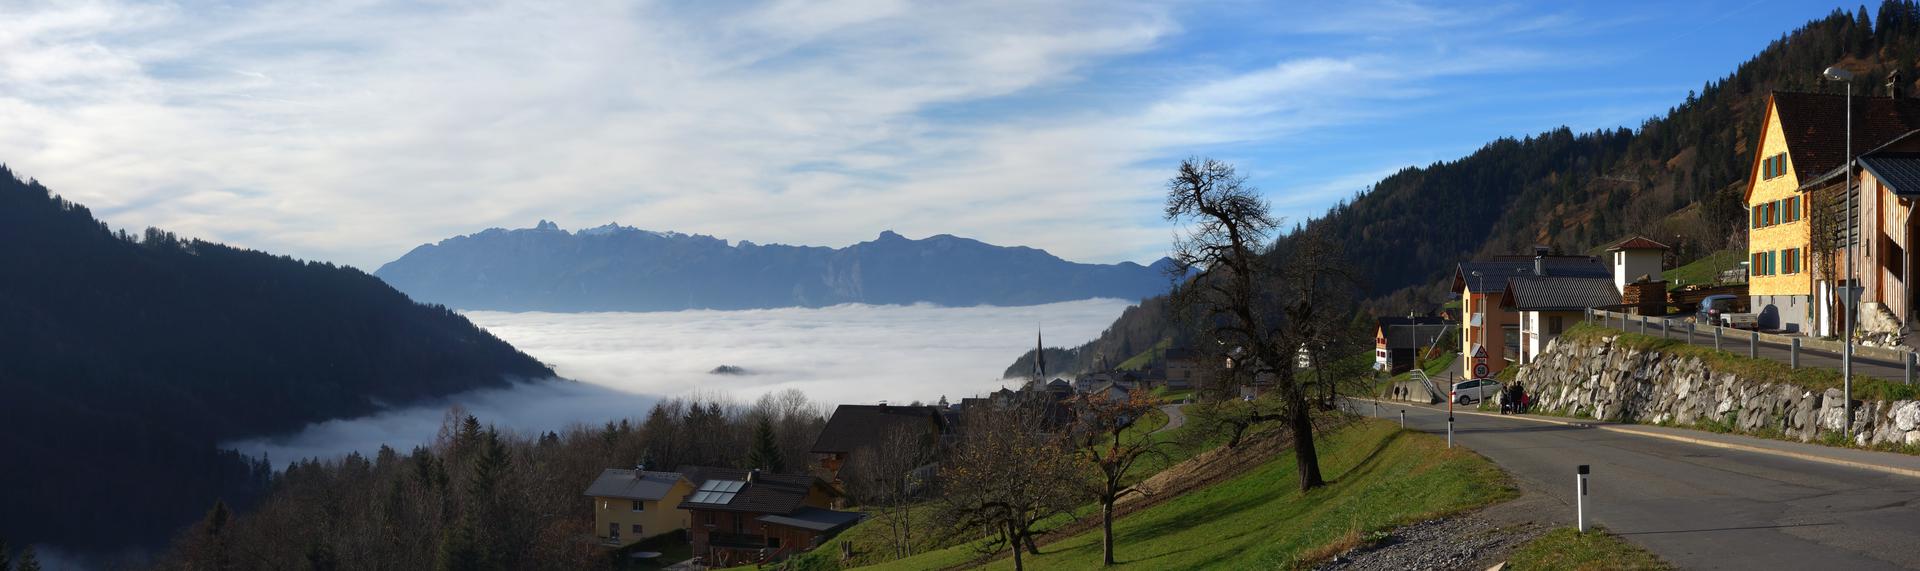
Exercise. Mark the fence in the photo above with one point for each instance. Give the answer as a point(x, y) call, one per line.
point(1730, 339)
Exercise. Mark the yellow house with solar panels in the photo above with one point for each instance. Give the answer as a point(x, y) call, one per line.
point(1779, 282)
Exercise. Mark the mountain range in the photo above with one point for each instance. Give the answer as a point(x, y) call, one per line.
point(619, 268)
point(126, 358)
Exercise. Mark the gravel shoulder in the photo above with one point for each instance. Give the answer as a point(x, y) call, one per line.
point(1474, 540)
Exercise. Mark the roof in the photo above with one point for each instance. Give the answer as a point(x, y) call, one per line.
point(1637, 243)
point(814, 518)
point(618, 483)
point(1491, 275)
point(1559, 293)
point(1815, 127)
point(855, 425)
point(1409, 333)
point(765, 493)
point(1899, 171)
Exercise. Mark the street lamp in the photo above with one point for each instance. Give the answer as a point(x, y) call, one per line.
point(1835, 73)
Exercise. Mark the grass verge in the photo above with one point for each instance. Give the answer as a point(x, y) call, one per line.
point(1565, 549)
point(1380, 477)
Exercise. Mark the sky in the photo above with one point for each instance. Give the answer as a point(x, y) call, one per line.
point(354, 131)
point(623, 362)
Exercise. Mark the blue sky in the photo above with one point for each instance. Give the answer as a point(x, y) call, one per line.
point(354, 131)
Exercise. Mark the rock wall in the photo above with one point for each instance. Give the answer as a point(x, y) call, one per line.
point(1599, 378)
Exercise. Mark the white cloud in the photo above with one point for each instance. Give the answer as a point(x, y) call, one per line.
point(846, 354)
point(355, 131)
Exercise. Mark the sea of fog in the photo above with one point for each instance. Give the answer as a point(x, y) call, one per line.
point(623, 362)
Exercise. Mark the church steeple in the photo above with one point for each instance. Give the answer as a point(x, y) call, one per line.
point(1039, 359)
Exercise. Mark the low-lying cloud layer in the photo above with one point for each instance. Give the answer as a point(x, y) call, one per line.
point(626, 361)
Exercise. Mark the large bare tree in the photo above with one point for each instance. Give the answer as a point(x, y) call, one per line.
point(1265, 308)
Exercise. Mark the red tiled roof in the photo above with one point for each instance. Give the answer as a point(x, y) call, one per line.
point(1815, 127)
point(1637, 243)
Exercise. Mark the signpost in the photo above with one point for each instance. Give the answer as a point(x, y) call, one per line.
point(1480, 369)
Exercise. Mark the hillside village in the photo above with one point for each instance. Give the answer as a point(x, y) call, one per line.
point(1510, 312)
point(1744, 401)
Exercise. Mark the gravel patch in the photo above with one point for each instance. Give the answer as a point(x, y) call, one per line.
point(1475, 540)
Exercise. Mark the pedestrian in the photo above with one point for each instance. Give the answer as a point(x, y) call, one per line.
point(1519, 397)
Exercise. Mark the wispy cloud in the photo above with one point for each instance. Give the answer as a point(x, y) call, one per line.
point(354, 131)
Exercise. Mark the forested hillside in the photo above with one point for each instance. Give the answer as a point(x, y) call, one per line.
point(124, 359)
point(1678, 178)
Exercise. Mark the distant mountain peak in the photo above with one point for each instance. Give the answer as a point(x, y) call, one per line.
point(619, 268)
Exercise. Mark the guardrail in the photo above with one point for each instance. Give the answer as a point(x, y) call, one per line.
point(1432, 389)
point(1725, 337)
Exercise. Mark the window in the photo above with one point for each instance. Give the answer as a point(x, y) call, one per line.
point(1554, 325)
point(636, 529)
point(639, 506)
point(773, 542)
point(1758, 265)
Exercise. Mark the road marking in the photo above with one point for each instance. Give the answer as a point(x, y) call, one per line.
point(1895, 470)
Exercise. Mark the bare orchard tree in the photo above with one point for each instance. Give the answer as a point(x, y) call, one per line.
point(1007, 473)
point(1103, 442)
point(887, 477)
point(1265, 304)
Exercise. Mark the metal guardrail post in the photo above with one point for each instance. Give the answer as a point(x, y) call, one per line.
point(1909, 361)
point(1716, 337)
point(1793, 354)
point(1664, 326)
point(1643, 325)
point(1753, 345)
point(1690, 326)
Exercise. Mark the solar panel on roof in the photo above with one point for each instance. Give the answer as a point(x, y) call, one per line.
point(717, 492)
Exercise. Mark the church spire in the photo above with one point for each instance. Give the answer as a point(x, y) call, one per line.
point(1039, 359)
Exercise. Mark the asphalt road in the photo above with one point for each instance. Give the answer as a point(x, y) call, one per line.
point(1175, 418)
point(1701, 507)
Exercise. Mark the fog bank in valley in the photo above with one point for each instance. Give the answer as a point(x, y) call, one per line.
point(623, 362)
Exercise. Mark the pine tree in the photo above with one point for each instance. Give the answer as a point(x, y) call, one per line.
point(28, 561)
point(6, 555)
point(765, 454)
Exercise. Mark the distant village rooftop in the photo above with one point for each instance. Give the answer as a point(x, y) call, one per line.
point(633, 484)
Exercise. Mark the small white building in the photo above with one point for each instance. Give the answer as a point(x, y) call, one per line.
point(1548, 305)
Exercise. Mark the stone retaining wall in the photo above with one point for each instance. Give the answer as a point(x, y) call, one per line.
point(1599, 378)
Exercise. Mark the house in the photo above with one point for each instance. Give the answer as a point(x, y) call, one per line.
point(1490, 334)
point(1803, 141)
point(1398, 340)
point(741, 516)
point(1186, 370)
point(632, 505)
point(854, 427)
point(1547, 305)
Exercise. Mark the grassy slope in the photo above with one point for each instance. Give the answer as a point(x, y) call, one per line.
point(1703, 270)
point(1144, 358)
point(1381, 477)
point(1569, 550)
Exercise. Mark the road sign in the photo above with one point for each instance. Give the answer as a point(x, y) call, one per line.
point(1480, 368)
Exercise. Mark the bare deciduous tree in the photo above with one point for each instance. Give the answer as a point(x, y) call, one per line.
point(1102, 441)
point(1268, 305)
point(1007, 473)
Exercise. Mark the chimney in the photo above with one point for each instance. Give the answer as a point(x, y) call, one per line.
point(1539, 261)
point(1893, 84)
point(752, 475)
point(639, 471)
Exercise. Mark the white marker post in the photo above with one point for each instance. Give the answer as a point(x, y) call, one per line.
point(1403, 418)
point(1452, 396)
point(1580, 496)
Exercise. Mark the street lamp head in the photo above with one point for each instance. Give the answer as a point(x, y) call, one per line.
point(1837, 73)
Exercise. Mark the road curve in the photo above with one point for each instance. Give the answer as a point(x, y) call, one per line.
point(1701, 507)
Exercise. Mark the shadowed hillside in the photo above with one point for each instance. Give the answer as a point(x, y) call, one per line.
point(124, 360)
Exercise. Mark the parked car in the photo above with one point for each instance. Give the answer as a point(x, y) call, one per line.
point(1469, 392)
point(1723, 310)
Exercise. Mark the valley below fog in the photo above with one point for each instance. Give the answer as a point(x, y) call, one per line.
point(623, 362)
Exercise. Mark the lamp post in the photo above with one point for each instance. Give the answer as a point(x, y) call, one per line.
point(1836, 73)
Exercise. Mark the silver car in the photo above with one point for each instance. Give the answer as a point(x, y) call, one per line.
point(1469, 392)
